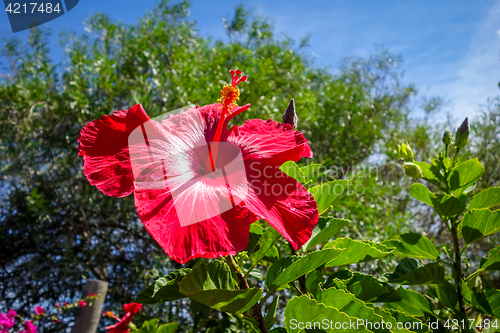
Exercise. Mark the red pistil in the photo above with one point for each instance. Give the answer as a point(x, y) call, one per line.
point(229, 95)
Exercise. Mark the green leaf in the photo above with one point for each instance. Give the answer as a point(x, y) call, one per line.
point(354, 307)
point(412, 303)
point(270, 318)
point(338, 279)
point(327, 194)
point(213, 284)
point(487, 302)
point(255, 234)
point(410, 271)
point(278, 330)
point(277, 268)
point(367, 290)
point(464, 175)
point(311, 171)
point(493, 261)
point(266, 242)
point(313, 280)
point(416, 325)
point(300, 267)
point(149, 326)
point(366, 284)
point(292, 170)
point(421, 193)
point(413, 245)
point(164, 289)
point(478, 223)
point(305, 311)
point(447, 295)
point(168, 328)
point(429, 172)
point(391, 296)
point(354, 251)
point(324, 230)
point(486, 199)
point(446, 205)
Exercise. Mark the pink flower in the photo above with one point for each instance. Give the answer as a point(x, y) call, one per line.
point(29, 327)
point(11, 314)
point(6, 322)
point(264, 192)
point(58, 304)
point(39, 310)
point(82, 303)
point(122, 325)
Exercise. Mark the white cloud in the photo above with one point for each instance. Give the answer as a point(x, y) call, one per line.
point(477, 74)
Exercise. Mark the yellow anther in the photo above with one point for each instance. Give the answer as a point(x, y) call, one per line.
point(229, 96)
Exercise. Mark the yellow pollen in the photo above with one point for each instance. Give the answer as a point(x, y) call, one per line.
point(229, 96)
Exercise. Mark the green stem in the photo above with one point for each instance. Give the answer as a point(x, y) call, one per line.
point(457, 262)
point(301, 279)
point(445, 262)
point(250, 270)
point(473, 275)
point(247, 274)
point(455, 157)
point(256, 313)
point(463, 249)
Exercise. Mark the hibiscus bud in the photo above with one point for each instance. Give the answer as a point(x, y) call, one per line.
point(462, 135)
point(412, 170)
point(405, 152)
point(447, 137)
point(290, 117)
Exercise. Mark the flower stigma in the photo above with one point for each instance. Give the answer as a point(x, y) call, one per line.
point(230, 94)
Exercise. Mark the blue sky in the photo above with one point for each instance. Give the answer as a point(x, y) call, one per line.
point(450, 48)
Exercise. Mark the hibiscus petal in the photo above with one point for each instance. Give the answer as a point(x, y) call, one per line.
point(269, 142)
point(283, 202)
point(122, 325)
point(104, 146)
point(218, 236)
point(133, 308)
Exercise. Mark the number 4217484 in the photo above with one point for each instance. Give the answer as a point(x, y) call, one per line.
point(32, 8)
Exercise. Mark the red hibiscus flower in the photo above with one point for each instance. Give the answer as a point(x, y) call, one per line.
point(185, 169)
point(122, 325)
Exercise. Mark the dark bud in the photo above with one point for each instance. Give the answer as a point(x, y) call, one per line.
point(462, 135)
point(290, 117)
